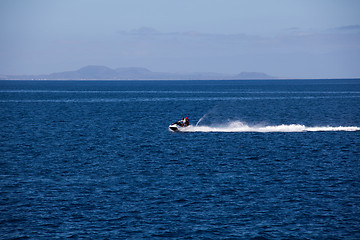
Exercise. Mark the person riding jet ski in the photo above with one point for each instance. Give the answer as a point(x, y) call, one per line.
point(187, 122)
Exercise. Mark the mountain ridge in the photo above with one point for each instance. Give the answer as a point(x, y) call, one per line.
point(99, 72)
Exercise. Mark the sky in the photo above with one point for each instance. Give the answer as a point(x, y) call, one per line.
point(283, 38)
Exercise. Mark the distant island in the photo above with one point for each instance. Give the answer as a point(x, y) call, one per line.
point(134, 73)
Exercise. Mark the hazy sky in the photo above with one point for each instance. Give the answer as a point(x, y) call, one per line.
point(285, 38)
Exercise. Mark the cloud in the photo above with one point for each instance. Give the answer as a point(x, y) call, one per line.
point(142, 31)
point(193, 43)
point(294, 37)
point(355, 27)
point(147, 32)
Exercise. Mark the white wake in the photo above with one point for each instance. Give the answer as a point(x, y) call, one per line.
point(238, 126)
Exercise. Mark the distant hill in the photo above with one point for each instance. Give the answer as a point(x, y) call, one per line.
point(101, 72)
point(253, 75)
point(133, 73)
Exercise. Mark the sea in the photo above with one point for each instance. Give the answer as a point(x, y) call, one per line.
point(261, 159)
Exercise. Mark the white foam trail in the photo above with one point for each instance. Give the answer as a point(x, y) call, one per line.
point(242, 127)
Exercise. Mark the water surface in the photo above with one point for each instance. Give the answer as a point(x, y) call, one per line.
point(95, 159)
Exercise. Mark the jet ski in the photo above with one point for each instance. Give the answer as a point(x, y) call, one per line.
point(177, 126)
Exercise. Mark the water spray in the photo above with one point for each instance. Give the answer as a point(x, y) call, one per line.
point(201, 119)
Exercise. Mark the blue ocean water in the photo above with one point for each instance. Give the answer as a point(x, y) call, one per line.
point(262, 160)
